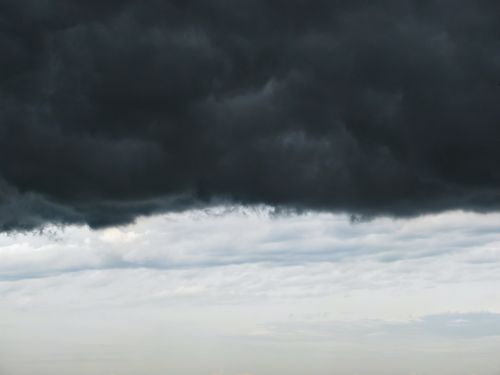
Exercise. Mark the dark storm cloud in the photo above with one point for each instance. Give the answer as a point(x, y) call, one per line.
point(112, 109)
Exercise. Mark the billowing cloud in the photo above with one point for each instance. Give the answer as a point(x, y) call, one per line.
point(114, 109)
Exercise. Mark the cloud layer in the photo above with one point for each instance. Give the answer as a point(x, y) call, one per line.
point(113, 109)
point(245, 291)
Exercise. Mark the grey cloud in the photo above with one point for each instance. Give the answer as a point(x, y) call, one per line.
point(114, 109)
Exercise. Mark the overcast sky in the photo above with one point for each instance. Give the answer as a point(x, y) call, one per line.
point(118, 108)
point(249, 187)
point(238, 291)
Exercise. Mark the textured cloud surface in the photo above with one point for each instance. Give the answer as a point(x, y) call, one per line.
point(247, 293)
point(112, 109)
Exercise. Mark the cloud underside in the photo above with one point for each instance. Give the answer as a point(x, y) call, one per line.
point(114, 109)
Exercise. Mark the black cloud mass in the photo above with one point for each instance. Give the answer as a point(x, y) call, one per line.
point(114, 109)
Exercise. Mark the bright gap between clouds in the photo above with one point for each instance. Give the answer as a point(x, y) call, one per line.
point(240, 289)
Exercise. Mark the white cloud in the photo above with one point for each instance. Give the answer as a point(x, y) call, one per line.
point(201, 239)
point(246, 291)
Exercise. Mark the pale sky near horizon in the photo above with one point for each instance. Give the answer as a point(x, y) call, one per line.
point(239, 291)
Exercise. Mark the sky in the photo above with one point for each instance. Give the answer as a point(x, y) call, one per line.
point(238, 291)
point(249, 187)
